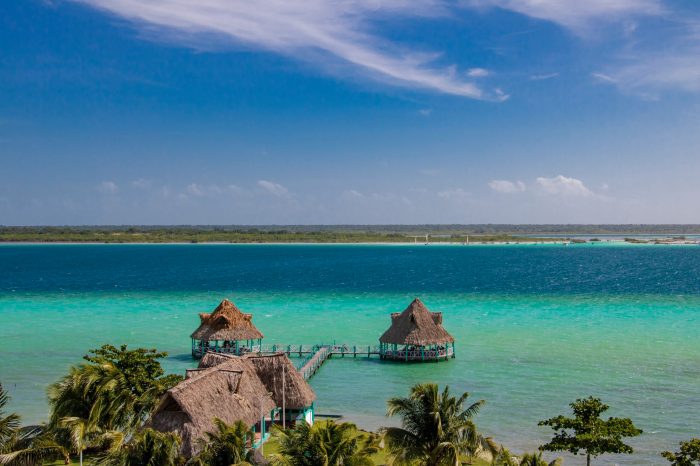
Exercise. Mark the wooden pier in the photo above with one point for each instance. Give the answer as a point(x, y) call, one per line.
point(293, 350)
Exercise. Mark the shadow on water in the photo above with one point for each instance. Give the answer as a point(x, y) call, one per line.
point(184, 357)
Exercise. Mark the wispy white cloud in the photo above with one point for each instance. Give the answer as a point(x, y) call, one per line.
point(194, 190)
point(675, 70)
point(478, 72)
point(329, 33)
point(352, 194)
point(507, 187)
point(273, 188)
point(543, 77)
point(576, 15)
point(142, 183)
point(564, 186)
point(108, 187)
point(426, 112)
point(604, 78)
point(456, 194)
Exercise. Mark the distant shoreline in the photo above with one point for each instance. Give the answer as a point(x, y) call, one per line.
point(609, 242)
point(396, 235)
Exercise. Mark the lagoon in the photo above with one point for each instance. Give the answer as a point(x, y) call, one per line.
point(536, 325)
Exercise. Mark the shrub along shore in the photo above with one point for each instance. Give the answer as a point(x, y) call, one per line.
point(247, 235)
point(100, 411)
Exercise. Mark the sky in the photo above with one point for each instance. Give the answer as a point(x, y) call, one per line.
point(349, 111)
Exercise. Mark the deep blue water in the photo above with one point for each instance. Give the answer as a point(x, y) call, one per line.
point(547, 269)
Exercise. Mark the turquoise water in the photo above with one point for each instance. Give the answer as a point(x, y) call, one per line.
point(536, 326)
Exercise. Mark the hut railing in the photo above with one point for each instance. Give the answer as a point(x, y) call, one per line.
point(418, 354)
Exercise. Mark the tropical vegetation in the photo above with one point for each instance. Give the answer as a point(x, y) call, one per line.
point(436, 428)
point(102, 406)
point(324, 444)
point(688, 455)
point(227, 445)
point(587, 433)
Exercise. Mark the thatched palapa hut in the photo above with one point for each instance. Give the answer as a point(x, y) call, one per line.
point(416, 334)
point(225, 330)
point(290, 391)
point(231, 391)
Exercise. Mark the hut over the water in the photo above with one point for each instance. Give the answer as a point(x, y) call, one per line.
point(230, 391)
point(416, 334)
point(225, 330)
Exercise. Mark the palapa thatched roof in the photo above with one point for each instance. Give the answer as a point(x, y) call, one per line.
point(226, 322)
point(297, 392)
point(231, 391)
point(416, 326)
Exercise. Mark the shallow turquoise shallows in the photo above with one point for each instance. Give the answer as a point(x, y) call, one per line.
point(535, 326)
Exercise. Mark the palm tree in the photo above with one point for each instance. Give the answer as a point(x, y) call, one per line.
point(8, 423)
point(146, 448)
point(324, 444)
point(504, 458)
point(535, 459)
point(82, 433)
point(436, 429)
point(24, 446)
point(227, 445)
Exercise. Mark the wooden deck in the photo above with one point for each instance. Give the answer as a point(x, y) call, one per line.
point(315, 355)
point(298, 350)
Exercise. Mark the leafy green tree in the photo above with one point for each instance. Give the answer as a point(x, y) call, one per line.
point(587, 432)
point(147, 447)
point(116, 390)
point(227, 445)
point(689, 454)
point(324, 444)
point(436, 428)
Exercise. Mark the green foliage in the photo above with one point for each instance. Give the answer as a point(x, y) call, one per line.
point(688, 455)
point(436, 428)
point(24, 446)
point(532, 459)
point(503, 457)
point(9, 423)
point(147, 448)
point(141, 370)
point(324, 444)
point(227, 445)
point(116, 390)
point(295, 234)
point(587, 432)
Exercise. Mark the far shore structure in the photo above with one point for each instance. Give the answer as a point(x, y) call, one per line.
point(416, 334)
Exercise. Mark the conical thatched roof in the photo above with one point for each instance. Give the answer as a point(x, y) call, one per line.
point(416, 326)
point(231, 391)
point(297, 392)
point(227, 322)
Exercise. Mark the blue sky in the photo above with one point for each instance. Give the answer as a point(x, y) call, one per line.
point(342, 111)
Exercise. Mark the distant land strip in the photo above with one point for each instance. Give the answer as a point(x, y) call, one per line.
point(486, 233)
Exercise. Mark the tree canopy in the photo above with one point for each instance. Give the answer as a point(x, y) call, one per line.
point(587, 432)
point(688, 455)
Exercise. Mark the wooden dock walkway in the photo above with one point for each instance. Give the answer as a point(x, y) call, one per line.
point(315, 355)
